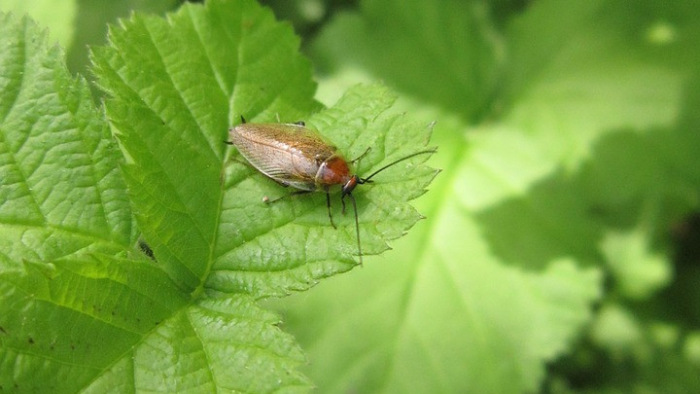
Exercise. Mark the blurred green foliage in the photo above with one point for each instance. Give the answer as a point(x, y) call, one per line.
point(560, 252)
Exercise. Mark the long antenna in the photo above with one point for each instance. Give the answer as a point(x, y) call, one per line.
point(363, 180)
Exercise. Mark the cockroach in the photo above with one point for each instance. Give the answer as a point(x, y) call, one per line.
point(293, 155)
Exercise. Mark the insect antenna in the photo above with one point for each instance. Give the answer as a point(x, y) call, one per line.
point(360, 181)
point(231, 142)
point(368, 179)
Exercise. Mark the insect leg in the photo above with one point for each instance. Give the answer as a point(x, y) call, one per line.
point(355, 160)
point(267, 200)
point(328, 204)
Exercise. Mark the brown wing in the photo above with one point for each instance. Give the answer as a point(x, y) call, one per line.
point(288, 153)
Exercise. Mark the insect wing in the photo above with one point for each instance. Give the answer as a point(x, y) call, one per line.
point(287, 153)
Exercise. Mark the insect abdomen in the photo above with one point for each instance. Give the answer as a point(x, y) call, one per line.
point(275, 152)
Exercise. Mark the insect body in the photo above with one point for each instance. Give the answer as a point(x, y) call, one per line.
point(290, 154)
point(296, 156)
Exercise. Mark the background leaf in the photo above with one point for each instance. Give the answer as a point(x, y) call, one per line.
point(558, 161)
point(57, 16)
point(444, 39)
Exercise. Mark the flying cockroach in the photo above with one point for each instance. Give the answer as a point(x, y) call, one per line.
point(294, 155)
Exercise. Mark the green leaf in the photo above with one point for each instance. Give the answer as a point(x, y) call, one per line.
point(73, 315)
point(82, 308)
point(178, 86)
point(129, 328)
point(201, 198)
point(61, 190)
point(64, 323)
point(226, 344)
